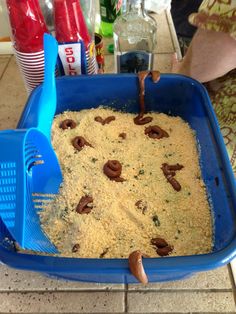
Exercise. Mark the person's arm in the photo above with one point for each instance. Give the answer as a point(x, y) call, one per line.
point(210, 55)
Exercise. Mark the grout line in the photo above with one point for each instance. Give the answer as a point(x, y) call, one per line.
point(61, 291)
point(126, 298)
point(232, 280)
point(5, 68)
point(146, 291)
point(117, 291)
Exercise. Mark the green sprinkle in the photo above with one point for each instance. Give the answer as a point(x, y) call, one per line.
point(94, 160)
point(136, 177)
point(141, 171)
point(156, 221)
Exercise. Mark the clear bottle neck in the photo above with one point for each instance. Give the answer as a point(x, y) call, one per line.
point(135, 7)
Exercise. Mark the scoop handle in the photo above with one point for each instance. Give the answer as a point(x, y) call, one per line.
point(48, 97)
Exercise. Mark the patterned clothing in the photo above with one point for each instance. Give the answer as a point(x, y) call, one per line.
point(220, 16)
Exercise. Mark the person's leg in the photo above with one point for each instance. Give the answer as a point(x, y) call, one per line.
point(223, 95)
point(180, 11)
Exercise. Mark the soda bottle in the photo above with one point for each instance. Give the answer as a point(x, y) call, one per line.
point(109, 10)
point(134, 39)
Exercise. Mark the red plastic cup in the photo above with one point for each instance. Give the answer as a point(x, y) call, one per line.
point(32, 68)
point(28, 25)
point(70, 25)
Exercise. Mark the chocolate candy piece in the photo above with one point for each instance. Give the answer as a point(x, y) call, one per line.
point(123, 135)
point(79, 142)
point(140, 120)
point(159, 242)
point(68, 124)
point(112, 169)
point(162, 247)
point(75, 248)
point(154, 131)
point(141, 205)
point(169, 172)
point(82, 207)
point(164, 251)
point(136, 266)
point(104, 121)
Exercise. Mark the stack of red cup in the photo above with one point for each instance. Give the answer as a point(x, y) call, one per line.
point(77, 52)
point(28, 27)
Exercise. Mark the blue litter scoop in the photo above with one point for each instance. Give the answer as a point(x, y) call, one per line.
point(30, 175)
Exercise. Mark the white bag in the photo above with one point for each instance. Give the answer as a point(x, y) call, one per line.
point(157, 6)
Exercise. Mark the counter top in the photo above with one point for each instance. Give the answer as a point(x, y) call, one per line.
point(26, 292)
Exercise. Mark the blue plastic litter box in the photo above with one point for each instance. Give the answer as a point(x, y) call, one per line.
point(174, 95)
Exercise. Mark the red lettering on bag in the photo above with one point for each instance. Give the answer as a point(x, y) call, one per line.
point(69, 51)
point(70, 59)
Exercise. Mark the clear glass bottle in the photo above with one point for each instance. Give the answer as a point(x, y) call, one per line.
point(134, 39)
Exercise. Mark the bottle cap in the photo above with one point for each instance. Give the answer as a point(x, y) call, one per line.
point(110, 48)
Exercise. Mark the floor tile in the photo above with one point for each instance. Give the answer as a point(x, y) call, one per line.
point(181, 302)
point(17, 280)
point(174, 37)
point(56, 302)
point(109, 63)
point(4, 59)
point(13, 96)
point(162, 62)
point(164, 37)
point(215, 279)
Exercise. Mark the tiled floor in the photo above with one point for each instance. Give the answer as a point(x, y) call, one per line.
point(25, 292)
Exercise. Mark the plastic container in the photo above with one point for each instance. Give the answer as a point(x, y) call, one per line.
point(174, 95)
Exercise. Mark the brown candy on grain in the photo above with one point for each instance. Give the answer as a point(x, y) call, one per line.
point(79, 142)
point(140, 120)
point(155, 132)
point(75, 248)
point(82, 207)
point(164, 251)
point(104, 121)
point(68, 124)
point(162, 247)
point(123, 135)
point(159, 242)
point(169, 172)
point(112, 169)
point(141, 205)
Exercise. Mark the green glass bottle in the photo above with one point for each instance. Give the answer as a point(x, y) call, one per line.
point(109, 10)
